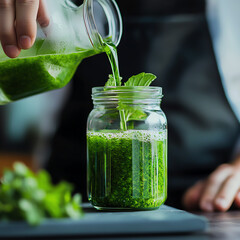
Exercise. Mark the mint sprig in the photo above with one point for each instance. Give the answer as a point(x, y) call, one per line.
point(111, 81)
point(132, 113)
point(128, 113)
point(32, 197)
point(142, 79)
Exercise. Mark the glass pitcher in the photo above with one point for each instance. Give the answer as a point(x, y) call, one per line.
point(73, 34)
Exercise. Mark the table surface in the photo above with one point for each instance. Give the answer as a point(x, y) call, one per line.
point(222, 226)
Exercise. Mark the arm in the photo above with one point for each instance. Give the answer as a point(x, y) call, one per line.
point(18, 24)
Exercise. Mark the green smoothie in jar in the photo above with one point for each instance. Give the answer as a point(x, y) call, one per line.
point(127, 170)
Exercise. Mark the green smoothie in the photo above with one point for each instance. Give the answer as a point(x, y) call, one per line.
point(127, 169)
point(25, 76)
point(37, 70)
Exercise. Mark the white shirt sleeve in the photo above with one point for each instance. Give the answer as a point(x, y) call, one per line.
point(223, 18)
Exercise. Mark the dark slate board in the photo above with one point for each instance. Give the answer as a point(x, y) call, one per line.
point(165, 220)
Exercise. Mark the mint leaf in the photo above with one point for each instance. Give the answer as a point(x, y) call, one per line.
point(142, 79)
point(30, 197)
point(73, 208)
point(132, 113)
point(33, 214)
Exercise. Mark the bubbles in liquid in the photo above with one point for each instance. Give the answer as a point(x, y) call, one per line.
point(140, 135)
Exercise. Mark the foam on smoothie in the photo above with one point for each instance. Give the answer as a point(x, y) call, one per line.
point(140, 135)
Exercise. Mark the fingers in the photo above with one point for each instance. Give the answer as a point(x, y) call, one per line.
point(192, 196)
point(212, 187)
point(7, 29)
point(237, 199)
point(18, 24)
point(43, 17)
point(227, 192)
point(26, 26)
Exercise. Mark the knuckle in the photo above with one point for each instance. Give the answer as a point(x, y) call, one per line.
point(5, 4)
point(24, 22)
point(212, 180)
point(234, 179)
point(236, 172)
point(26, 2)
point(27, 24)
point(43, 20)
point(26, 27)
point(5, 36)
point(224, 166)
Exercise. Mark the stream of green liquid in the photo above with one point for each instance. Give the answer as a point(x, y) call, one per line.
point(111, 52)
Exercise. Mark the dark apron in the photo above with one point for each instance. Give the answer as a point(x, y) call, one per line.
point(202, 126)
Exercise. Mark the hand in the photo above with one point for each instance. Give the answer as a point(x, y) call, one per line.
point(217, 193)
point(18, 24)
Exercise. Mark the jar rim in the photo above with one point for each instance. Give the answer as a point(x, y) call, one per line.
point(118, 89)
point(141, 95)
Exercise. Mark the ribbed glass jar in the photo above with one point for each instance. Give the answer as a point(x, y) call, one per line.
point(127, 149)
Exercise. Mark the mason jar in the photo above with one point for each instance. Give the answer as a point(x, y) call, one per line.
point(127, 149)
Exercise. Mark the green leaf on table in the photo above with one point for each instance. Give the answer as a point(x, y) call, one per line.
point(31, 211)
point(73, 208)
point(21, 169)
point(142, 79)
point(32, 197)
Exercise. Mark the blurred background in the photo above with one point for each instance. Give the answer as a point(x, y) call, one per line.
point(26, 128)
point(171, 39)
